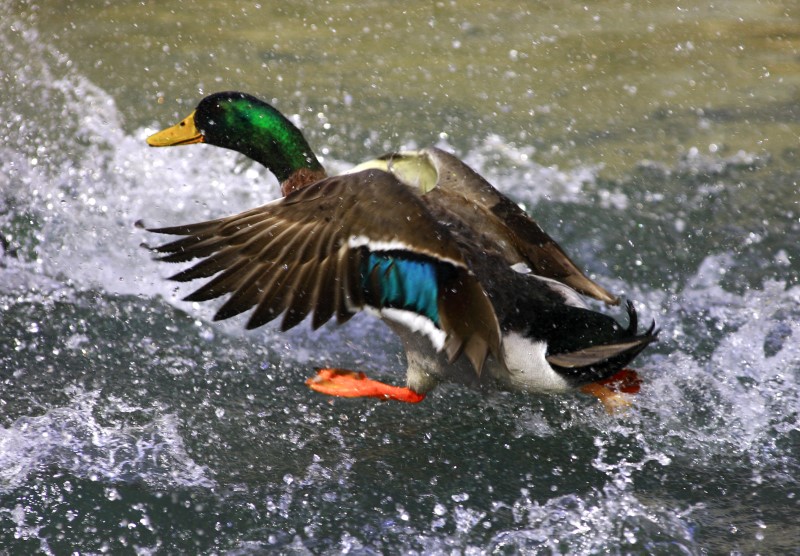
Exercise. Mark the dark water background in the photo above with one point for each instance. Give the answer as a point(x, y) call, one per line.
point(658, 142)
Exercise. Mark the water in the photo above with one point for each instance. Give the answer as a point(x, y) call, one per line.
point(658, 144)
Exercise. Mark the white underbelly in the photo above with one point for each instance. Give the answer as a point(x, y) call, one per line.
point(528, 369)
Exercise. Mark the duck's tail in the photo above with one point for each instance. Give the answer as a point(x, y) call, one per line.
point(604, 361)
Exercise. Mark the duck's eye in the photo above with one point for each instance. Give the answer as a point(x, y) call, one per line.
point(183, 124)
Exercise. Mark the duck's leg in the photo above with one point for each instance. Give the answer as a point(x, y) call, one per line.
point(609, 391)
point(352, 384)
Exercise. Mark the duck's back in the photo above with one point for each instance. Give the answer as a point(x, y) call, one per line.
point(452, 190)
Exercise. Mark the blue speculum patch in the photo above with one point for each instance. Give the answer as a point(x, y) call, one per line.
point(403, 282)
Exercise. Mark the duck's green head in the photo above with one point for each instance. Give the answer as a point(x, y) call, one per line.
point(248, 125)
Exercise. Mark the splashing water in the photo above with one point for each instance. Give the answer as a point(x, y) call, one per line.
point(102, 448)
point(129, 423)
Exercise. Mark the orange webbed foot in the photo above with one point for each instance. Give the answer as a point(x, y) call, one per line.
point(626, 380)
point(610, 390)
point(352, 384)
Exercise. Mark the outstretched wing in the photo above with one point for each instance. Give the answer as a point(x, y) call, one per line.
point(343, 244)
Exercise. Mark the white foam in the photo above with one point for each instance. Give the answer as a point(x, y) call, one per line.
point(72, 438)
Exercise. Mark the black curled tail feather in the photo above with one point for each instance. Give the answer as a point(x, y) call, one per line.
point(633, 317)
point(602, 360)
point(633, 322)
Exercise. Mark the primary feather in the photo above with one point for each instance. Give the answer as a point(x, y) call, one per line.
point(327, 249)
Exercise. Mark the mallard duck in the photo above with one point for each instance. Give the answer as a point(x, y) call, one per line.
point(477, 292)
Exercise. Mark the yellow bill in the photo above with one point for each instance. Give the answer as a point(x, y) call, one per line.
point(183, 133)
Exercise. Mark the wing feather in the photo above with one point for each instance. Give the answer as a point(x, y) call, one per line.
point(325, 293)
point(505, 227)
point(245, 297)
point(307, 252)
point(221, 284)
